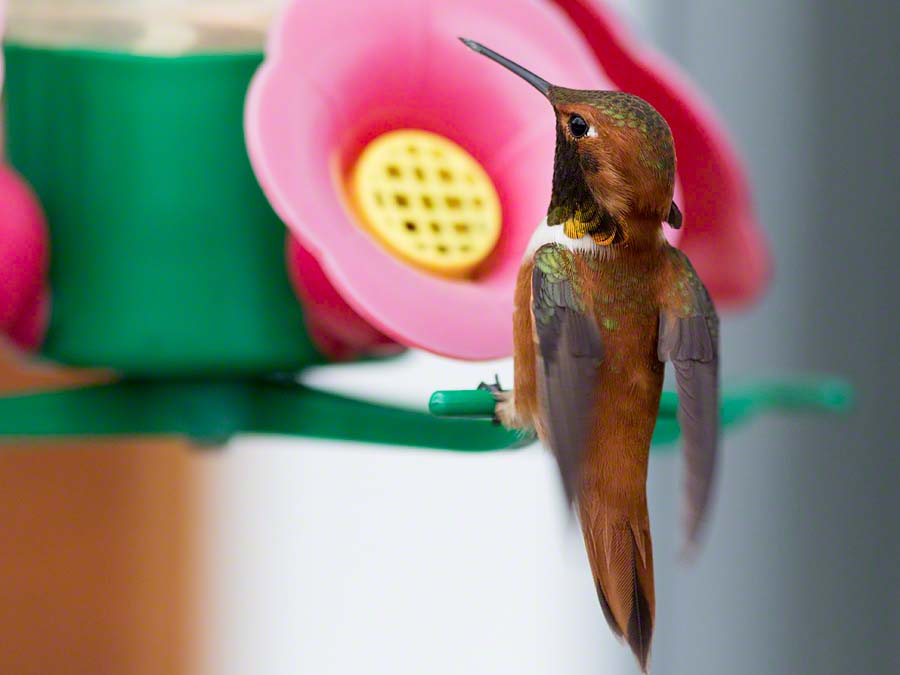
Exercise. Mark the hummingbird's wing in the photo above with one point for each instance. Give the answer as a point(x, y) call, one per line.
point(689, 338)
point(570, 349)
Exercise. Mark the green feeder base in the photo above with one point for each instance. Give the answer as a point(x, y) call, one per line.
point(167, 259)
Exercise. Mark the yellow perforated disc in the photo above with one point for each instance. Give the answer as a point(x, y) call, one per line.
point(427, 200)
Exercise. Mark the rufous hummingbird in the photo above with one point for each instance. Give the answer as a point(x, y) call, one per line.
point(601, 302)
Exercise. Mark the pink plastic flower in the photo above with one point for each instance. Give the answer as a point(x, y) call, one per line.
point(23, 255)
point(338, 74)
point(23, 263)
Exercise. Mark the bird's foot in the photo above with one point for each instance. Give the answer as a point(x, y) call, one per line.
point(505, 404)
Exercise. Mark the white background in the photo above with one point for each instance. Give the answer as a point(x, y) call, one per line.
point(347, 558)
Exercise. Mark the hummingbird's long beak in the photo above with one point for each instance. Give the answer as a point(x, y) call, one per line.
point(537, 82)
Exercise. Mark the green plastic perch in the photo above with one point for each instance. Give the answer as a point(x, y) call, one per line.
point(212, 411)
point(740, 403)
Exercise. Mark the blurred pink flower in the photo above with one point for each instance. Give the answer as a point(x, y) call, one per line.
point(23, 254)
point(23, 263)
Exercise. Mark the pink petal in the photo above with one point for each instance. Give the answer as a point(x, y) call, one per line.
point(337, 330)
point(357, 54)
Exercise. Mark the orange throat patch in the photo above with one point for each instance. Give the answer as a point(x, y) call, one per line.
point(575, 229)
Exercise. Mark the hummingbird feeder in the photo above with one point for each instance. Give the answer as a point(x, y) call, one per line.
point(408, 182)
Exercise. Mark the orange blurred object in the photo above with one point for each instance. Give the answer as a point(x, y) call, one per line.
point(97, 572)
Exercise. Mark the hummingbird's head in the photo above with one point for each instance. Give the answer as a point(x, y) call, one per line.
point(615, 159)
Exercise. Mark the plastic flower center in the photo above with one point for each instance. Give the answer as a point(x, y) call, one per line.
point(427, 201)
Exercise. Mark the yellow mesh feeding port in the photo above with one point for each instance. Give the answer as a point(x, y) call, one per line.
point(427, 200)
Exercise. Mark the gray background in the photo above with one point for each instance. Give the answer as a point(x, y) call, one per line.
point(800, 572)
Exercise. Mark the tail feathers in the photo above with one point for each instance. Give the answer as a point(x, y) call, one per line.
point(621, 555)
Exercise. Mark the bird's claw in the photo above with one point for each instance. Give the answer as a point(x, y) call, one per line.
point(496, 390)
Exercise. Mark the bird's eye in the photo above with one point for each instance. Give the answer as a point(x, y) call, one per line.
point(577, 126)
